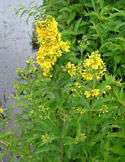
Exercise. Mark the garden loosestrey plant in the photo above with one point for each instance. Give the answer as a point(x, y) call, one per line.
point(98, 24)
point(70, 112)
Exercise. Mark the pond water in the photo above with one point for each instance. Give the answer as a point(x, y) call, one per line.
point(15, 49)
point(15, 46)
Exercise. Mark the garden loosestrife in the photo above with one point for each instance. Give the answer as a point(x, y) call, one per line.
point(46, 138)
point(78, 114)
point(95, 92)
point(94, 67)
point(70, 68)
point(104, 109)
point(108, 87)
point(81, 138)
point(1, 110)
point(51, 45)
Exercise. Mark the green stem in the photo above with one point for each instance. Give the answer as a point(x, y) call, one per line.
point(89, 128)
point(62, 151)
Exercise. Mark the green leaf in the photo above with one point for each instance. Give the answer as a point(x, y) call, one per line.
point(71, 17)
point(46, 148)
point(3, 134)
point(96, 138)
point(76, 6)
point(65, 9)
point(31, 13)
point(119, 25)
point(122, 93)
point(26, 147)
point(93, 13)
point(104, 83)
point(117, 149)
point(27, 19)
point(70, 141)
point(78, 129)
point(77, 24)
point(68, 32)
point(81, 101)
point(120, 38)
point(93, 4)
point(21, 8)
point(49, 125)
point(122, 102)
point(97, 103)
point(117, 134)
point(101, 3)
point(23, 12)
point(3, 154)
point(58, 96)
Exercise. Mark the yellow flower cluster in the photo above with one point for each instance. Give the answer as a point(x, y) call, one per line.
point(51, 45)
point(108, 87)
point(42, 108)
point(81, 138)
point(93, 92)
point(80, 110)
point(103, 110)
point(77, 85)
point(1, 110)
point(31, 112)
point(70, 68)
point(46, 138)
point(94, 67)
point(18, 70)
point(75, 111)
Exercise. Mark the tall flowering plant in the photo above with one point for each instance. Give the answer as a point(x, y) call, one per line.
point(70, 112)
point(51, 45)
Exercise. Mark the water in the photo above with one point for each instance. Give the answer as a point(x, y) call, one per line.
point(15, 46)
point(15, 49)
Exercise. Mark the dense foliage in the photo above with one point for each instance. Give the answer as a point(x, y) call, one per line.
point(72, 108)
point(99, 24)
point(70, 112)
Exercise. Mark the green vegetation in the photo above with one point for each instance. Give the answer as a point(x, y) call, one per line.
point(71, 94)
point(100, 24)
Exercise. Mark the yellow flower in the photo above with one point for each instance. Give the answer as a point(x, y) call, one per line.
point(87, 93)
point(77, 85)
point(93, 67)
point(46, 138)
point(108, 87)
point(70, 68)
point(31, 112)
point(40, 116)
point(81, 110)
point(103, 110)
point(104, 92)
point(51, 45)
point(95, 92)
point(88, 77)
point(1, 110)
point(82, 137)
point(18, 70)
point(65, 46)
